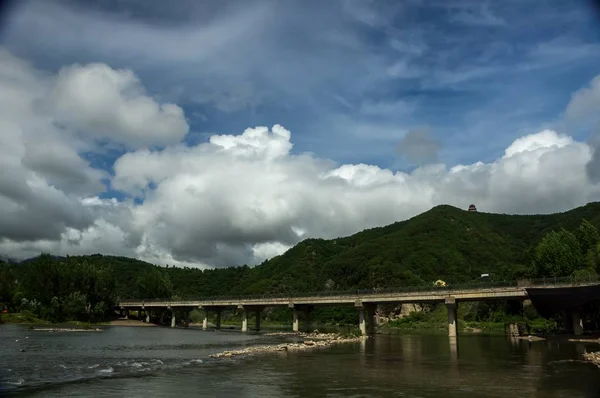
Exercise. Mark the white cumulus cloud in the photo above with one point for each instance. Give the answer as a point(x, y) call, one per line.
point(110, 103)
point(241, 199)
point(586, 101)
point(44, 175)
point(235, 199)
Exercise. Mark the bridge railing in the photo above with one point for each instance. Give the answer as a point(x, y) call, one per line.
point(479, 285)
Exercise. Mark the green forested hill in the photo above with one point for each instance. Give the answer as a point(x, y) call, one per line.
point(443, 243)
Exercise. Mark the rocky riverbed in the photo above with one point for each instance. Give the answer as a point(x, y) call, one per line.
point(310, 340)
point(66, 330)
point(531, 338)
point(312, 335)
point(593, 357)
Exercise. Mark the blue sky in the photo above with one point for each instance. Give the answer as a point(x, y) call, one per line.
point(348, 78)
point(133, 127)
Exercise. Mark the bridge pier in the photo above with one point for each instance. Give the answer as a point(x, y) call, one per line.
point(148, 313)
point(572, 321)
point(307, 310)
point(217, 310)
point(257, 313)
point(186, 319)
point(577, 322)
point(361, 321)
point(218, 322)
point(366, 317)
point(452, 316)
point(173, 320)
point(295, 323)
point(245, 320)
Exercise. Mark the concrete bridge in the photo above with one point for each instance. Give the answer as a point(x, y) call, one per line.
point(561, 290)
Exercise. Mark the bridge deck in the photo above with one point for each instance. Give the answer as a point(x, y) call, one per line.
point(431, 295)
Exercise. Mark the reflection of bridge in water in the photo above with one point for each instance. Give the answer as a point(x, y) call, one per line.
point(549, 296)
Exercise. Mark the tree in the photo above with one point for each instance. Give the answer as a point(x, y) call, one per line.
point(154, 284)
point(588, 236)
point(558, 254)
point(589, 240)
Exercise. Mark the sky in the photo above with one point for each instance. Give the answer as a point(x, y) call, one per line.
point(211, 134)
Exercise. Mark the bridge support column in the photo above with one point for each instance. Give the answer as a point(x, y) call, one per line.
point(245, 321)
point(257, 320)
point(577, 322)
point(173, 320)
point(218, 324)
point(126, 314)
point(307, 312)
point(147, 316)
point(205, 321)
point(371, 308)
point(362, 324)
point(366, 317)
point(295, 323)
point(452, 318)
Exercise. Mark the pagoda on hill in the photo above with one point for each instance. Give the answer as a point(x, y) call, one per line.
point(472, 208)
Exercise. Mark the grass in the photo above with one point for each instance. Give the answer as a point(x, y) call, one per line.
point(26, 318)
point(437, 319)
point(484, 326)
point(424, 322)
point(22, 318)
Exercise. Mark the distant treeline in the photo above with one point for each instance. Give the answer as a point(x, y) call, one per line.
point(444, 243)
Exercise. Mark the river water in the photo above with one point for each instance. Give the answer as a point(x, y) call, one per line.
point(164, 362)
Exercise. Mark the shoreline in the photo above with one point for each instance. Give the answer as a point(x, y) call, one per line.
point(127, 322)
point(42, 324)
point(39, 324)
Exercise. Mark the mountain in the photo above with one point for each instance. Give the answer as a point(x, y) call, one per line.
point(443, 243)
point(6, 259)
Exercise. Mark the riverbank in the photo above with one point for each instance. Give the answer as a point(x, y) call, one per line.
point(20, 318)
point(29, 319)
point(127, 322)
point(310, 341)
point(34, 322)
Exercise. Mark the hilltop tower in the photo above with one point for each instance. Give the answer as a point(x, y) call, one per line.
point(472, 208)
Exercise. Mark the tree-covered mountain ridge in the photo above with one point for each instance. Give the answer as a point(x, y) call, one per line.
point(443, 243)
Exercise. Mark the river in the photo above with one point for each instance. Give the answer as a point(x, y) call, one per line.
point(164, 362)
